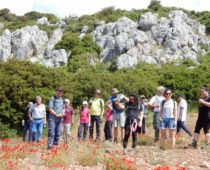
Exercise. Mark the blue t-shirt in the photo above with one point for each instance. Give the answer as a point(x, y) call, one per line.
point(115, 109)
point(56, 104)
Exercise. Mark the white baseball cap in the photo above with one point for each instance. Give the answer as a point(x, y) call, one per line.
point(84, 103)
point(67, 101)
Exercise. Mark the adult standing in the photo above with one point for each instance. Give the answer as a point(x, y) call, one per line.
point(131, 123)
point(154, 103)
point(55, 107)
point(168, 117)
point(26, 122)
point(96, 112)
point(37, 114)
point(182, 115)
point(118, 113)
point(203, 121)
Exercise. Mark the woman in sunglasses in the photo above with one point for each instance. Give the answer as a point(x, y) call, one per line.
point(131, 123)
point(168, 118)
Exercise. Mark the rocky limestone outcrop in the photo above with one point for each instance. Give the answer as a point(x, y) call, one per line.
point(5, 45)
point(31, 43)
point(152, 39)
point(43, 20)
point(28, 41)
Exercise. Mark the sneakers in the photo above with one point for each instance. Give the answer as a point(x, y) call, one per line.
point(133, 151)
point(162, 148)
point(156, 140)
point(49, 147)
point(115, 140)
point(205, 146)
point(193, 144)
point(124, 151)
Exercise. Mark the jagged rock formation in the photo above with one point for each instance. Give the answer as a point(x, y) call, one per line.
point(151, 39)
point(31, 43)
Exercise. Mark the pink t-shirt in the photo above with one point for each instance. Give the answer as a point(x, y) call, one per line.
point(68, 115)
point(84, 116)
point(109, 115)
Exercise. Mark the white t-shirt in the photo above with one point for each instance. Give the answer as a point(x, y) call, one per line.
point(182, 105)
point(156, 100)
point(38, 111)
point(168, 109)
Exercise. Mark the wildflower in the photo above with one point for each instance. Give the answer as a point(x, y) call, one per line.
point(6, 140)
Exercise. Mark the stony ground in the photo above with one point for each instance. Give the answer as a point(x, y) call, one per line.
point(105, 155)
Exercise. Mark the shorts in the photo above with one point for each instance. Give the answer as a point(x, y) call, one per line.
point(67, 129)
point(202, 123)
point(167, 123)
point(119, 120)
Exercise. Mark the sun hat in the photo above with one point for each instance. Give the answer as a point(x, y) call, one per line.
point(142, 96)
point(67, 101)
point(98, 91)
point(114, 90)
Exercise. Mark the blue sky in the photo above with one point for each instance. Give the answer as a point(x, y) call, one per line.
point(64, 8)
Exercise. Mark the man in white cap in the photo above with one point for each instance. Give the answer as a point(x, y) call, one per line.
point(96, 112)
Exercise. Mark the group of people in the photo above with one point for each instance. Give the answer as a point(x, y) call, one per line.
point(127, 114)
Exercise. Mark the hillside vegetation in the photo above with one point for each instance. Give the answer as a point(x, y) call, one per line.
point(21, 81)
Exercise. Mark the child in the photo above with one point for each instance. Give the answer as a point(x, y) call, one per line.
point(68, 117)
point(143, 105)
point(84, 121)
point(108, 124)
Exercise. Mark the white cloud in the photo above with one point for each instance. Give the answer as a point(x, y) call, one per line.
point(18, 7)
point(80, 7)
point(65, 7)
point(197, 5)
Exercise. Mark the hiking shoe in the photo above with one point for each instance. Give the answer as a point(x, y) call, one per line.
point(205, 146)
point(162, 148)
point(133, 151)
point(124, 151)
point(49, 147)
point(193, 144)
point(156, 140)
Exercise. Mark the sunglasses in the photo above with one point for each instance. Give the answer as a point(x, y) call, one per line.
point(168, 93)
point(132, 99)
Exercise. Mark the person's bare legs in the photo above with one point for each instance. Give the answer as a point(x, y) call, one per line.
point(122, 133)
point(115, 133)
point(196, 137)
point(172, 138)
point(162, 137)
point(207, 137)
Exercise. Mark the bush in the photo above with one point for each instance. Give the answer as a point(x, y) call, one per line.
point(69, 41)
point(34, 15)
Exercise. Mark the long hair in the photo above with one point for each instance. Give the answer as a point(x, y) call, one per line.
point(136, 100)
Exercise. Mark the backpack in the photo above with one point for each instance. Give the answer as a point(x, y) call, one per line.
point(47, 110)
